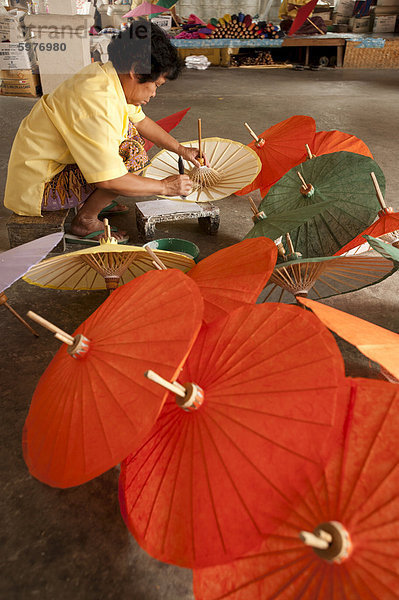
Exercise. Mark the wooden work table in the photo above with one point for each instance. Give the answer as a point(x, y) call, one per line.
point(309, 42)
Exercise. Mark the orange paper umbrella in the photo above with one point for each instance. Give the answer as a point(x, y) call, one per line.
point(350, 518)
point(92, 405)
point(327, 142)
point(386, 227)
point(377, 343)
point(168, 123)
point(234, 276)
point(280, 148)
point(257, 407)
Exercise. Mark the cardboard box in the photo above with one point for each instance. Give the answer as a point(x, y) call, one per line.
point(20, 83)
point(340, 20)
point(360, 24)
point(164, 22)
point(345, 8)
point(384, 23)
point(62, 7)
point(11, 26)
point(18, 55)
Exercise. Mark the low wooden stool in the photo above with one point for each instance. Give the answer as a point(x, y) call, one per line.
point(148, 214)
point(26, 229)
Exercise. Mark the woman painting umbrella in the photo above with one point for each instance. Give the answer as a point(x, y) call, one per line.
point(81, 145)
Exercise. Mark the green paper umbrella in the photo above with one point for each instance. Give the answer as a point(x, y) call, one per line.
point(341, 183)
point(326, 276)
point(385, 249)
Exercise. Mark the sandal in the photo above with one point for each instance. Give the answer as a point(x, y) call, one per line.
point(87, 240)
point(108, 210)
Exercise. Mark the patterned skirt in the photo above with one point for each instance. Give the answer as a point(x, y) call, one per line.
point(69, 188)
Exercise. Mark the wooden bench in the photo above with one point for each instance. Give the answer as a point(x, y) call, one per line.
point(26, 229)
point(148, 214)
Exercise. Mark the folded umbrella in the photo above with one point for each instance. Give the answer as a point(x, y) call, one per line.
point(254, 415)
point(377, 343)
point(280, 148)
point(302, 16)
point(349, 518)
point(92, 406)
point(16, 262)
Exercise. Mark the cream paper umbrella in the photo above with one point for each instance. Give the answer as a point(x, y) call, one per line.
point(105, 266)
point(233, 167)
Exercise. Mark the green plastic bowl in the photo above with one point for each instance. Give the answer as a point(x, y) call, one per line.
point(175, 245)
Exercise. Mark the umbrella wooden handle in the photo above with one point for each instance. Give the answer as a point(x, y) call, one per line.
point(318, 29)
point(378, 191)
point(159, 264)
point(50, 326)
point(308, 150)
point(251, 132)
point(3, 301)
point(253, 206)
point(200, 140)
point(302, 179)
point(175, 387)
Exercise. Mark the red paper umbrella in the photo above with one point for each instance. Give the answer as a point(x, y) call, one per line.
point(259, 394)
point(92, 405)
point(350, 519)
point(168, 123)
point(234, 276)
point(328, 142)
point(385, 227)
point(302, 16)
point(280, 148)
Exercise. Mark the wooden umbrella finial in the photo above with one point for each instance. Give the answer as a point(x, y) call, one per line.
point(189, 397)
point(307, 189)
point(380, 197)
point(258, 215)
point(258, 141)
point(330, 541)
point(78, 346)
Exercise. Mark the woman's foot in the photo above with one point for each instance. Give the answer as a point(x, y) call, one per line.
point(83, 226)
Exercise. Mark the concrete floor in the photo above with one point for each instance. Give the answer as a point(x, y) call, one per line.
point(72, 544)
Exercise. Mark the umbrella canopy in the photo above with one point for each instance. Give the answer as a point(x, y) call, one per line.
point(326, 276)
point(343, 180)
point(16, 262)
point(101, 267)
point(201, 487)
point(356, 501)
point(234, 163)
point(386, 250)
point(327, 142)
point(377, 343)
point(145, 9)
point(280, 148)
point(234, 276)
point(386, 227)
point(168, 123)
point(92, 405)
point(302, 16)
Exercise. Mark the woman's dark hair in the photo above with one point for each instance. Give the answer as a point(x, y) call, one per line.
point(144, 47)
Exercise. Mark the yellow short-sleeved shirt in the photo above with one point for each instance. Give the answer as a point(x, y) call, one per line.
point(83, 121)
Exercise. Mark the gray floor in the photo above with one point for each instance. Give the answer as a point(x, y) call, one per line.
point(73, 544)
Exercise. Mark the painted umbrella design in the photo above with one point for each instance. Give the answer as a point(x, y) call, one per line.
point(145, 9)
point(101, 267)
point(260, 388)
point(92, 406)
point(235, 165)
point(350, 518)
point(377, 343)
point(342, 180)
point(325, 276)
point(16, 262)
point(168, 123)
point(280, 148)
